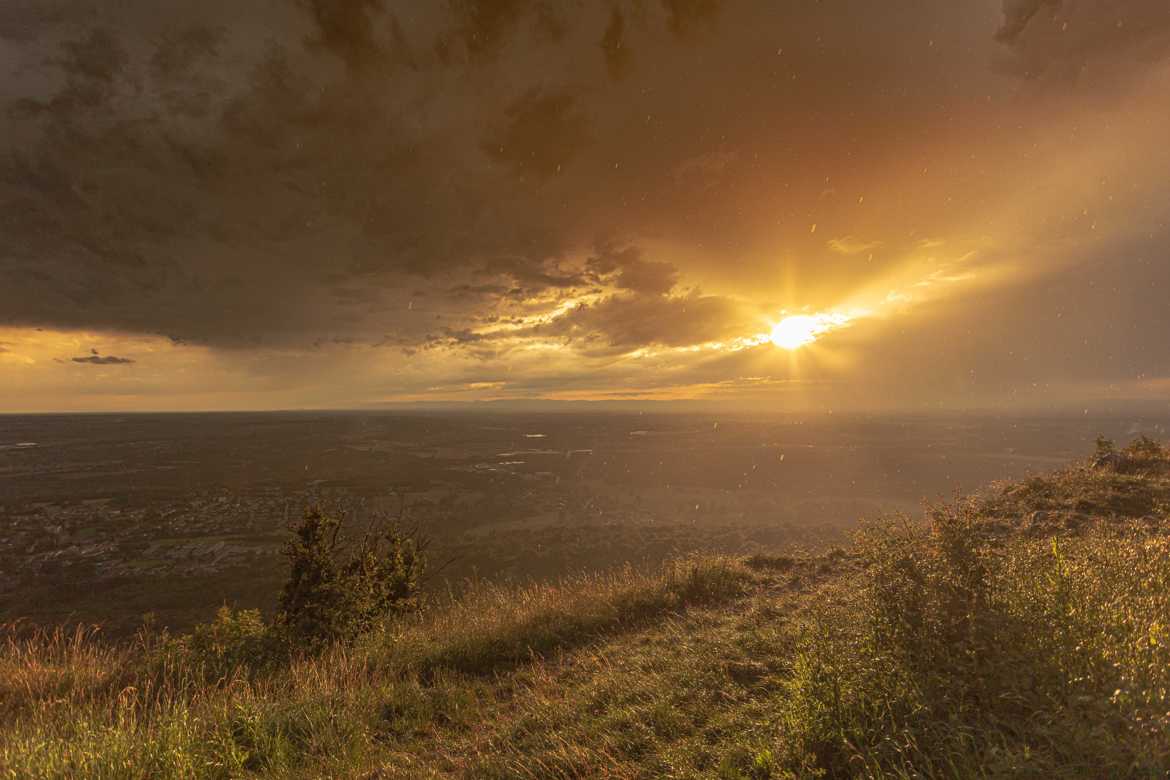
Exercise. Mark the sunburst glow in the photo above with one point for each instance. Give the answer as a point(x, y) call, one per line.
point(803, 329)
point(795, 332)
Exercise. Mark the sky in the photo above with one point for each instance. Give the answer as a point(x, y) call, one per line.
point(797, 206)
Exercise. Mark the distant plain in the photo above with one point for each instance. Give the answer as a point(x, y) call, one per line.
point(104, 518)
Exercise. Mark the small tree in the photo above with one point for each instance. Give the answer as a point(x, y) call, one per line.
point(337, 590)
point(1106, 455)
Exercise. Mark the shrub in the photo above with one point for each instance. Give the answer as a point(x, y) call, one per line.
point(337, 590)
point(236, 641)
point(1142, 456)
point(1106, 449)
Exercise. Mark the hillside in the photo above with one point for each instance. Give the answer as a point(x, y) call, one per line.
point(1023, 631)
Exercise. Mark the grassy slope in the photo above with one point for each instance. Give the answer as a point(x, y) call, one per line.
point(1024, 632)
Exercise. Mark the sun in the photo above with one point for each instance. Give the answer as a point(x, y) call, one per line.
point(796, 332)
point(800, 330)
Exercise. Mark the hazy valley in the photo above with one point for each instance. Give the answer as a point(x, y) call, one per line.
point(109, 517)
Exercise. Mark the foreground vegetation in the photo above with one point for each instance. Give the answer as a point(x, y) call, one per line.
point(1024, 631)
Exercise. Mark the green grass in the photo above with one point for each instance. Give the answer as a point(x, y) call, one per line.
point(1022, 632)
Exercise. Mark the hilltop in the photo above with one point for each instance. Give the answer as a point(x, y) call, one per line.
point(1020, 631)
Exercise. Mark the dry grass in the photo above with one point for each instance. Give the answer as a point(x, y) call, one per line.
point(75, 707)
point(60, 665)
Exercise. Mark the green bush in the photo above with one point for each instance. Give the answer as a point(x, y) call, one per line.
point(237, 641)
point(337, 590)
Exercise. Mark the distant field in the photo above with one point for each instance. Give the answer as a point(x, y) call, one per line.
point(107, 517)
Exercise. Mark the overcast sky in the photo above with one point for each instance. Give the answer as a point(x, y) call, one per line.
point(340, 203)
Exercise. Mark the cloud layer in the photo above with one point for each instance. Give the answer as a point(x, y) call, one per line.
point(536, 198)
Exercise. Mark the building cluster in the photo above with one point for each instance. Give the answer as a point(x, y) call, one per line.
point(98, 540)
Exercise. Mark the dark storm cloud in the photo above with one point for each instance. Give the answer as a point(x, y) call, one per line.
point(687, 14)
point(182, 51)
point(90, 64)
point(533, 276)
point(627, 322)
point(1017, 14)
point(613, 43)
point(347, 28)
point(543, 133)
point(623, 322)
point(648, 276)
point(491, 290)
point(103, 360)
point(98, 56)
point(628, 270)
point(1085, 39)
point(25, 20)
point(481, 25)
point(212, 177)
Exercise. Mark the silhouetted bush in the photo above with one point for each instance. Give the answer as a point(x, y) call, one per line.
point(1143, 456)
point(337, 590)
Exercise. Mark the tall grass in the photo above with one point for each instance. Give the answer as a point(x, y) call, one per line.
point(215, 705)
point(496, 627)
point(953, 657)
